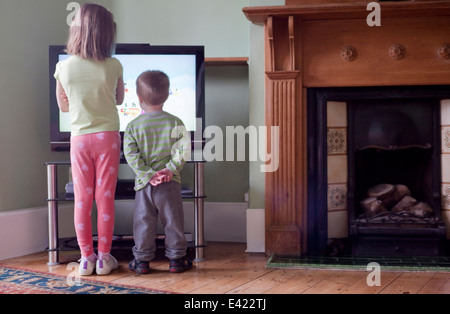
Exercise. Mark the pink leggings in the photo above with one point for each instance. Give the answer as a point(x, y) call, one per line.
point(95, 162)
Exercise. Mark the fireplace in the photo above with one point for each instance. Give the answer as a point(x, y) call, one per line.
point(366, 145)
point(323, 52)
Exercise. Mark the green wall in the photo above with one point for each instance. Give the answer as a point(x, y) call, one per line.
point(220, 25)
point(28, 27)
point(26, 30)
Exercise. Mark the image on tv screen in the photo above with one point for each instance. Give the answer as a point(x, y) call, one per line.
point(181, 70)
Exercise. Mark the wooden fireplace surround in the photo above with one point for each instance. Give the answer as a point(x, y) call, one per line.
point(326, 43)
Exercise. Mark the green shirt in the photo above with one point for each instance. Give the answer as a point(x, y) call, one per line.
point(155, 141)
point(91, 88)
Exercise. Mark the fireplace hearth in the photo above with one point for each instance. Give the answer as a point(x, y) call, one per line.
point(393, 169)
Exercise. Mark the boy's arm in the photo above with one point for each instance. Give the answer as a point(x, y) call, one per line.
point(133, 156)
point(181, 150)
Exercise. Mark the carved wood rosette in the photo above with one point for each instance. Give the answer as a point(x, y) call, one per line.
point(397, 51)
point(349, 53)
point(282, 78)
point(444, 51)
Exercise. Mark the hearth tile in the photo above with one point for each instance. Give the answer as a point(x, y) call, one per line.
point(445, 112)
point(337, 169)
point(337, 225)
point(336, 114)
point(337, 197)
point(337, 141)
point(445, 162)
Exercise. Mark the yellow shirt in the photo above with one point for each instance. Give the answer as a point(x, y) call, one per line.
point(91, 89)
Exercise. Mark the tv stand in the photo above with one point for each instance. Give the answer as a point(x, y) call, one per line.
point(53, 198)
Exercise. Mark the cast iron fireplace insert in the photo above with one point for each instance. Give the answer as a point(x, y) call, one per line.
point(393, 137)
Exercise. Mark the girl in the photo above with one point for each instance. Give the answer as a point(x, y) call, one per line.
point(90, 86)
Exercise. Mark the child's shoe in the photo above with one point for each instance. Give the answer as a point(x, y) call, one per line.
point(180, 265)
point(140, 267)
point(106, 265)
point(87, 265)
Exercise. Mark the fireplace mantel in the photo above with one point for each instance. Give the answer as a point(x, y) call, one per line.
point(330, 45)
point(350, 9)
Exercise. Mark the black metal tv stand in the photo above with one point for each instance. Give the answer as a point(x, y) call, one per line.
point(53, 198)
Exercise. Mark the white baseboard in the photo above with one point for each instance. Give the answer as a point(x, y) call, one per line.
point(256, 231)
point(24, 232)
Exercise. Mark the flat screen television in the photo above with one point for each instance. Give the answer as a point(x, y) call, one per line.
point(185, 66)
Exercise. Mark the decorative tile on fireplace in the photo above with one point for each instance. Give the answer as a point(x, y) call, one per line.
point(446, 196)
point(337, 197)
point(337, 174)
point(445, 160)
point(337, 141)
point(336, 114)
point(362, 142)
point(445, 138)
point(337, 169)
point(445, 112)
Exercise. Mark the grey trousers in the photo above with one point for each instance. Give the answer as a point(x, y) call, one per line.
point(163, 200)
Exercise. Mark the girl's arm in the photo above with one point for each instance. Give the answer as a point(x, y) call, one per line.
point(120, 91)
point(61, 97)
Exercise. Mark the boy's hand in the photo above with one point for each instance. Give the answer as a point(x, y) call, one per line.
point(167, 173)
point(161, 176)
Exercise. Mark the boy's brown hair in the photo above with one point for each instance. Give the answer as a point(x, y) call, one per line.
point(153, 87)
point(92, 34)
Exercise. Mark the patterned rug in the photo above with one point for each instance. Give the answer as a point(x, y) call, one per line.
point(19, 281)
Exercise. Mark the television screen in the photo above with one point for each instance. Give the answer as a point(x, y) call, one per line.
point(183, 64)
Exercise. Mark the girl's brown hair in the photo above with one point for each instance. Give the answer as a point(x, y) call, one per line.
point(92, 34)
point(153, 87)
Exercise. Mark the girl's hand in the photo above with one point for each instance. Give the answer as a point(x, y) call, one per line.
point(61, 97)
point(64, 97)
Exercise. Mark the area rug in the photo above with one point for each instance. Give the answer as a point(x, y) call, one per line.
point(441, 264)
point(19, 281)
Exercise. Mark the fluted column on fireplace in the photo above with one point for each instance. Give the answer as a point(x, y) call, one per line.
point(283, 217)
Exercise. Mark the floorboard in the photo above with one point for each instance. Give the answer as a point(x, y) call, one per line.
point(228, 269)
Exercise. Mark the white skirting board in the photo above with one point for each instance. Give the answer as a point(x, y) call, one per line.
point(24, 232)
point(256, 231)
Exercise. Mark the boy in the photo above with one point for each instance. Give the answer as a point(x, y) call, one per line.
point(153, 153)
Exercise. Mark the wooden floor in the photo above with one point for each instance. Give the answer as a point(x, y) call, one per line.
point(227, 269)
